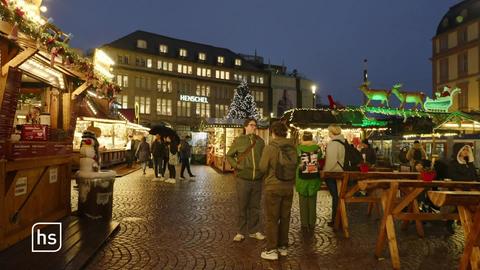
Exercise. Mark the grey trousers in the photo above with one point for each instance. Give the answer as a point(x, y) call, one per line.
point(308, 210)
point(248, 195)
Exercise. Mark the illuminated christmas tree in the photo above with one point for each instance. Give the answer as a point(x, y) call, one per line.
point(243, 104)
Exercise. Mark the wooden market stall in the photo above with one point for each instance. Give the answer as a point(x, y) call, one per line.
point(221, 133)
point(42, 82)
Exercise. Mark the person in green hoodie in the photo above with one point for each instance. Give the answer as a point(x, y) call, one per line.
point(308, 180)
point(244, 156)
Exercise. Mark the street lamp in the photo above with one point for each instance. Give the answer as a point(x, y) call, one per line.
point(314, 93)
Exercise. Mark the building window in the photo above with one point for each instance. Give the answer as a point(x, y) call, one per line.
point(238, 62)
point(202, 56)
point(142, 44)
point(443, 70)
point(147, 105)
point(260, 80)
point(183, 52)
point(122, 80)
point(260, 110)
point(164, 86)
point(202, 109)
point(462, 36)
point(462, 64)
point(185, 69)
point(122, 59)
point(184, 108)
point(204, 72)
point(170, 66)
point(220, 59)
point(149, 63)
point(258, 96)
point(164, 106)
point(463, 96)
point(140, 61)
point(163, 48)
point(123, 101)
point(443, 43)
point(221, 110)
point(203, 90)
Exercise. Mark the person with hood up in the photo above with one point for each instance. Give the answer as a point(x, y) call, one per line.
point(278, 190)
point(334, 159)
point(143, 154)
point(461, 167)
point(244, 156)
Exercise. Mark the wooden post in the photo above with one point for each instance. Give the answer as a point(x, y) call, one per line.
point(387, 202)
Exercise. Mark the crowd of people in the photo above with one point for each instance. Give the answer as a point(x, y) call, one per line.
point(275, 170)
point(162, 154)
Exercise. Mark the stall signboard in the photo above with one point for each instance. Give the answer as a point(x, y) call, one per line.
point(37, 149)
point(34, 132)
point(196, 99)
point(53, 175)
point(21, 186)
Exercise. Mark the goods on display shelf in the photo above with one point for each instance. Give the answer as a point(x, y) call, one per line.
point(113, 138)
point(199, 147)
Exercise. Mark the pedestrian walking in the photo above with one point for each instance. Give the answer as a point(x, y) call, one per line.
point(172, 160)
point(279, 165)
point(244, 156)
point(185, 155)
point(158, 152)
point(334, 161)
point(130, 151)
point(143, 154)
point(308, 180)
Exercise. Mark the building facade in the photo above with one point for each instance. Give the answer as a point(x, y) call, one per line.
point(181, 82)
point(456, 54)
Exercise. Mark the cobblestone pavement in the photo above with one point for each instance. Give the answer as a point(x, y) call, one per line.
point(190, 225)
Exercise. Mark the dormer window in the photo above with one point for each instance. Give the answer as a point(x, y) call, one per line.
point(163, 48)
point(142, 44)
point(202, 56)
point(183, 52)
point(238, 62)
point(220, 59)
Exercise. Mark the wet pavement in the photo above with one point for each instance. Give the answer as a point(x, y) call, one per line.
point(190, 225)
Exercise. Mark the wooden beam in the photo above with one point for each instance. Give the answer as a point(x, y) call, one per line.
point(441, 198)
point(426, 216)
point(18, 60)
point(80, 89)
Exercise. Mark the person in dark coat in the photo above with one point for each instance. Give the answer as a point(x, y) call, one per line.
point(185, 155)
point(158, 150)
point(368, 153)
point(143, 153)
point(461, 167)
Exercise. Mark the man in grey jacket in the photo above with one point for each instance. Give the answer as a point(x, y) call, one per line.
point(334, 159)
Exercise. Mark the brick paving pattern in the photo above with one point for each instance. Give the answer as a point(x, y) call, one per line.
point(190, 225)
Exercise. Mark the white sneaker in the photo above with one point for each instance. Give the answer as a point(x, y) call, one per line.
point(270, 255)
point(257, 235)
point(171, 180)
point(156, 179)
point(239, 237)
point(283, 251)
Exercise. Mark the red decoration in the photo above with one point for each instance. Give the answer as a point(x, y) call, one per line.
point(5, 3)
point(19, 12)
point(364, 167)
point(88, 142)
point(428, 176)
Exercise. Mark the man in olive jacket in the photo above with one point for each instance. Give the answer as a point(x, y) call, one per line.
point(278, 194)
point(244, 156)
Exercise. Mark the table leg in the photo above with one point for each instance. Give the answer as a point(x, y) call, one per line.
point(387, 202)
point(471, 252)
point(392, 243)
point(418, 223)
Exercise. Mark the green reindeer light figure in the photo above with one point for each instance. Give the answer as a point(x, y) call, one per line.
point(407, 97)
point(381, 95)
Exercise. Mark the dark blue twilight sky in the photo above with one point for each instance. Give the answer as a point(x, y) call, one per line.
point(324, 40)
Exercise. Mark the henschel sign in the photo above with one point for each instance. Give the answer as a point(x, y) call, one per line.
point(193, 99)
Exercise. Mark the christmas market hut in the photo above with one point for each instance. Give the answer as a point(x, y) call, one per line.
point(353, 120)
point(221, 133)
point(42, 83)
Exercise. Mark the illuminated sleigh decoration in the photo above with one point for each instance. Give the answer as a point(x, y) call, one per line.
point(443, 101)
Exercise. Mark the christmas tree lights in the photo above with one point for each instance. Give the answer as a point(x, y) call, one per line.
point(243, 104)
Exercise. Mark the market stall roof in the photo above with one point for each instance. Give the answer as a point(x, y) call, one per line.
point(235, 123)
point(350, 117)
point(459, 121)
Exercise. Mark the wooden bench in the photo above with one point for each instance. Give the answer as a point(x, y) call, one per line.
point(346, 191)
point(468, 204)
point(407, 192)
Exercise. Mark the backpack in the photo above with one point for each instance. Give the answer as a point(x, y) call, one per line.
point(353, 158)
point(309, 164)
point(286, 163)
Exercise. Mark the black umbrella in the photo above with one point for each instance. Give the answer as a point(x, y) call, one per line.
point(164, 132)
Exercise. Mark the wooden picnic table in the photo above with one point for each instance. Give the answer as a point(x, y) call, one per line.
point(346, 191)
point(468, 205)
point(400, 194)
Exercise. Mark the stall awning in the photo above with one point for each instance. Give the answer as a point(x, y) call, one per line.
point(324, 117)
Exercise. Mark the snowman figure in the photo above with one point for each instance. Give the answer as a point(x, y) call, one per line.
point(89, 152)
